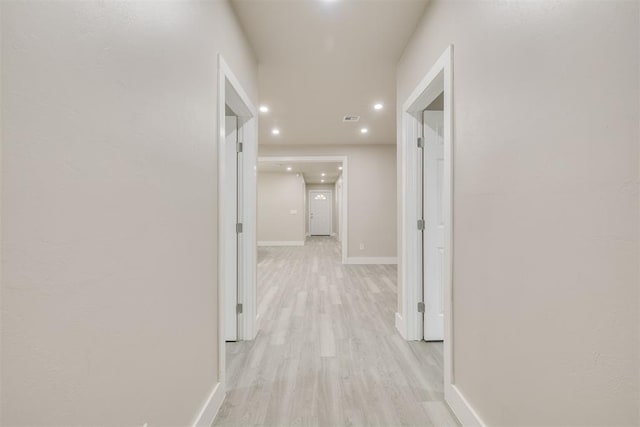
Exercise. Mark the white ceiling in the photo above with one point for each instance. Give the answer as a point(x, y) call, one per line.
point(311, 172)
point(320, 60)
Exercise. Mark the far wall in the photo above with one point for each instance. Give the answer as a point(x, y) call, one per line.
point(280, 207)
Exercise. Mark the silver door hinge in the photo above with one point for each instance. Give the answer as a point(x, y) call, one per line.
point(239, 147)
point(239, 308)
point(420, 142)
point(420, 307)
point(421, 224)
point(239, 227)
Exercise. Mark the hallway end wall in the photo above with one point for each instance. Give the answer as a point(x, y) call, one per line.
point(278, 195)
point(109, 208)
point(545, 139)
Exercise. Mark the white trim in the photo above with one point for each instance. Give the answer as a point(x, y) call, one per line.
point(345, 187)
point(438, 79)
point(461, 407)
point(209, 410)
point(400, 326)
point(331, 233)
point(281, 243)
point(372, 260)
point(248, 113)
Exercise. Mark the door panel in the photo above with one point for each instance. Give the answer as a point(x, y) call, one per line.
point(433, 251)
point(320, 212)
point(230, 220)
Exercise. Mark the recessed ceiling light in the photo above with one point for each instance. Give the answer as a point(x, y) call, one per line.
point(378, 106)
point(322, 180)
point(275, 131)
point(339, 168)
point(364, 130)
point(264, 109)
point(323, 174)
point(289, 168)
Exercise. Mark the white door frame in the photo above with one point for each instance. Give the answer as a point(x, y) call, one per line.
point(331, 233)
point(409, 322)
point(345, 186)
point(231, 93)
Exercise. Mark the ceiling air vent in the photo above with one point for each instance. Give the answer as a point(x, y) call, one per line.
point(350, 118)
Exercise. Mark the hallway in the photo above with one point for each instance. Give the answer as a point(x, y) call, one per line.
point(327, 351)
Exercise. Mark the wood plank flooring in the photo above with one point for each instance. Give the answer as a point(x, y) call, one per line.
point(327, 351)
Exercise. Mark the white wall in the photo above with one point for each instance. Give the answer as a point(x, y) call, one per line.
point(278, 195)
point(545, 205)
point(371, 193)
point(109, 208)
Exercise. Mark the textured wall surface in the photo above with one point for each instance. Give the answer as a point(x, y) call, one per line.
point(109, 208)
point(278, 195)
point(545, 205)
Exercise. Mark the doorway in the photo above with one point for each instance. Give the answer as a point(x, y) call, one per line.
point(316, 171)
point(320, 212)
point(237, 157)
point(426, 212)
point(432, 248)
point(233, 242)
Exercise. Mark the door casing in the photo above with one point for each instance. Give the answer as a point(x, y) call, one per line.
point(231, 94)
point(409, 319)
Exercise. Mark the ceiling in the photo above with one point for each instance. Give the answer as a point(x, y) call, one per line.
point(311, 172)
point(320, 60)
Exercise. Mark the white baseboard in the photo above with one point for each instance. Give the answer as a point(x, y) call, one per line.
point(210, 408)
point(461, 407)
point(400, 326)
point(371, 260)
point(282, 243)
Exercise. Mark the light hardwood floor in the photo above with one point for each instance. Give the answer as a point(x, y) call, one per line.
point(327, 351)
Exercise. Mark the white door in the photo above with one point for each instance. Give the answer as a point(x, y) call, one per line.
point(339, 208)
point(433, 241)
point(233, 242)
point(320, 212)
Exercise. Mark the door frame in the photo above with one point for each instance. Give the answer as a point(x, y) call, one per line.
point(345, 187)
point(409, 322)
point(230, 92)
point(331, 233)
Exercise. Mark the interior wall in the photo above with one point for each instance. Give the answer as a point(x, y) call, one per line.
point(334, 206)
point(545, 298)
point(279, 195)
point(371, 193)
point(109, 208)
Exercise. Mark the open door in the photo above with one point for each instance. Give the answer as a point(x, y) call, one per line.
point(433, 227)
point(233, 228)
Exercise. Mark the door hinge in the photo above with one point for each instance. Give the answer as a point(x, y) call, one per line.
point(239, 227)
point(420, 307)
point(239, 147)
point(238, 308)
point(420, 142)
point(421, 224)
